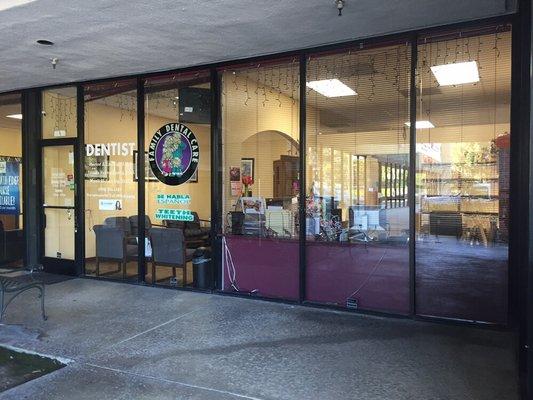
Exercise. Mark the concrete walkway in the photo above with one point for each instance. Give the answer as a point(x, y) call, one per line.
point(133, 342)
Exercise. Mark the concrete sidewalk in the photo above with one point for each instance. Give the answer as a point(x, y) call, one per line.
point(131, 342)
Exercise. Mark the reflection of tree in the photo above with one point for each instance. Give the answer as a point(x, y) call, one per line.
point(467, 157)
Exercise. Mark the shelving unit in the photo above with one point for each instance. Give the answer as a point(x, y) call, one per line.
point(460, 199)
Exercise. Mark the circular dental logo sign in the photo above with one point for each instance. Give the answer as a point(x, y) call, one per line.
point(173, 154)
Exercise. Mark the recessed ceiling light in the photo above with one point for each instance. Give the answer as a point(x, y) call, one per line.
point(45, 42)
point(457, 73)
point(331, 88)
point(14, 116)
point(422, 125)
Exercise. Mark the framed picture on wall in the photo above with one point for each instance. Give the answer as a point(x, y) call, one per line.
point(97, 168)
point(148, 174)
point(247, 167)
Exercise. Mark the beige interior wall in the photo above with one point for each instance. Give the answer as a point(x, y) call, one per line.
point(265, 148)
point(108, 124)
point(10, 142)
point(244, 114)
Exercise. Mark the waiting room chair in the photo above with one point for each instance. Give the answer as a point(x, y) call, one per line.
point(123, 223)
point(195, 234)
point(169, 250)
point(134, 224)
point(111, 245)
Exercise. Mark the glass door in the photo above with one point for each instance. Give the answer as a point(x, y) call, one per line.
point(59, 207)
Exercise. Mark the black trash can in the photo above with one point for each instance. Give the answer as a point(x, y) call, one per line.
point(202, 269)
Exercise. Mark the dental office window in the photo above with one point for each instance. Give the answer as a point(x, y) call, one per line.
point(182, 102)
point(111, 243)
point(357, 224)
point(462, 182)
point(261, 184)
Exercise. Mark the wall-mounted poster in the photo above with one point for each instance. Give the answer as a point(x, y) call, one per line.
point(9, 185)
point(247, 167)
point(235, 180)
point(109, 204)
point(97, 168)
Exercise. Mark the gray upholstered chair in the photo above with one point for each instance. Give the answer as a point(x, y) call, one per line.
point(134, 224)
point(111, 245)
point(168, 249)
point(119, 222)
point(123, 223)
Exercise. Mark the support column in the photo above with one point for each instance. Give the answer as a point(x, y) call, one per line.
point(31, 156)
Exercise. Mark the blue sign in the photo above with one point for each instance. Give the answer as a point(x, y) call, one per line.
point(9, 185)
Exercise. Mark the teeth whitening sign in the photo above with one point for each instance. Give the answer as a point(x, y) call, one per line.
point(9, 185)
point(174, 215)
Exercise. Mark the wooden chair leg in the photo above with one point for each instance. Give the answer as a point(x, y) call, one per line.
point(173, 272)
point(124, 263)
point(185, 275)
point(153, 273)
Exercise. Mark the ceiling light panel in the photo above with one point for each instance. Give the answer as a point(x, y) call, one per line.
point(457, 73)
point(331, 88)
point(422, 125)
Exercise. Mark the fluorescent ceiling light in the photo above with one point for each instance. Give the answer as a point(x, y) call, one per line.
point(331, 88)
point(456, 74)
point(14, 116)
point(422, 125)
point(6, 4)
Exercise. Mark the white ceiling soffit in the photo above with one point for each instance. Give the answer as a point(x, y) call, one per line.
point(104, 38)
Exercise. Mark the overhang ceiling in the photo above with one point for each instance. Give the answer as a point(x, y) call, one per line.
point(105, 38)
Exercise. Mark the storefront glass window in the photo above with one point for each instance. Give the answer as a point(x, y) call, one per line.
point(11, 222)
point(111, 243)
point(59, 113)
point(462, 181)
point(178, 178)
point(357, 224)
point(260, 134)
